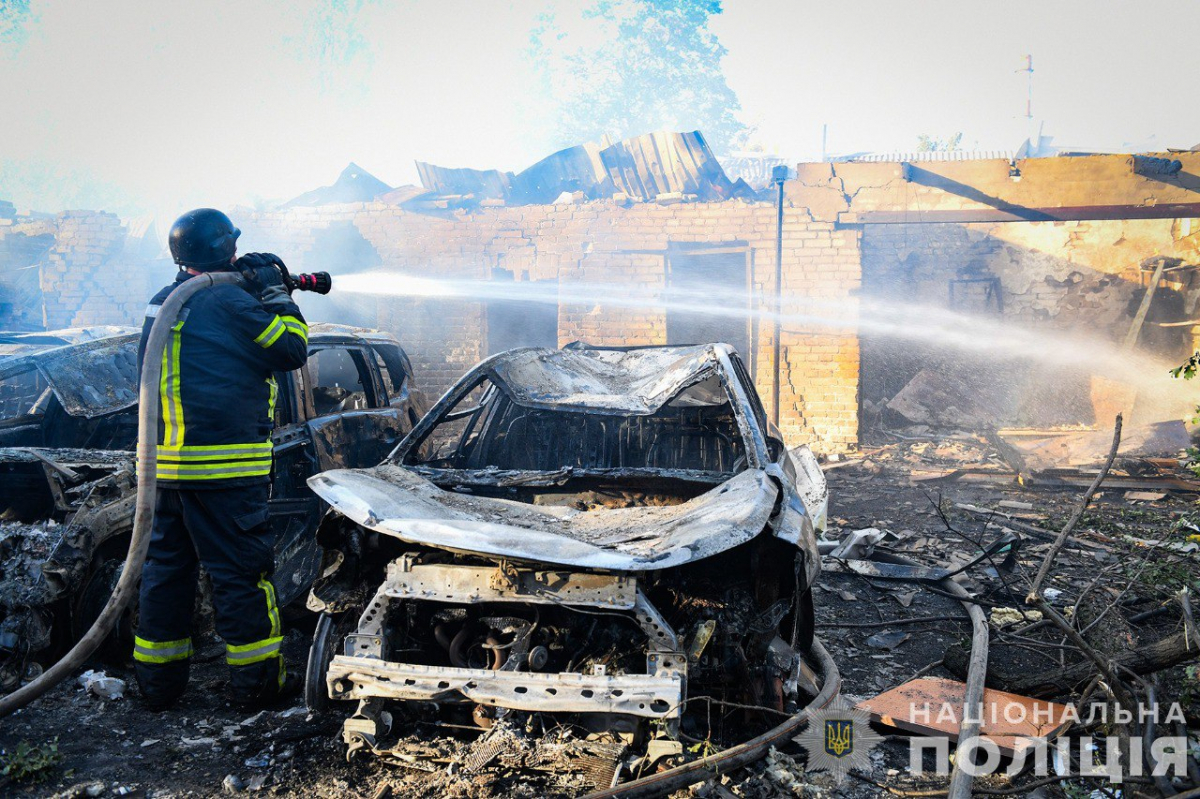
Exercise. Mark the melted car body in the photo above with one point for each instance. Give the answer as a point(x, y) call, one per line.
point(593, 531)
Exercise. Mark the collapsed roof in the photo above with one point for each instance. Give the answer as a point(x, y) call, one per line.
point(653, 166)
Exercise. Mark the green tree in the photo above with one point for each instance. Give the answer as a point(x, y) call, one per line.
point(928, 144)
point(627, 67)
point(1188, 371)
point(14, 25)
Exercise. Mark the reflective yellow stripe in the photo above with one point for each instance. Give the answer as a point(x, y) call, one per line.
point(276, 625)
point(214, 461)
point(161, 651)
point(272, 333)
point(294, 325)
point(215, 472)
point(245, 654)
point(274, 393)
point(272, 608)
point(214, 447)
point(170, 398)
point(224, 452)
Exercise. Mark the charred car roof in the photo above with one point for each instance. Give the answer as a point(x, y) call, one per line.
point(90, 379)
point(633, 381)
point(17, 343)
point(637, 382)
point(97, 374)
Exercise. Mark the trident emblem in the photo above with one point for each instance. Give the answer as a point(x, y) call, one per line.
point(839, 737)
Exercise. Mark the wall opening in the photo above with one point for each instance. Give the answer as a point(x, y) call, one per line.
point(701, 277)
point(520, 323)
point(341, 249)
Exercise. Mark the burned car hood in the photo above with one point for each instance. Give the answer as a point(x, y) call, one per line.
point(90, 379)
point(637, 382)
point(393, 500)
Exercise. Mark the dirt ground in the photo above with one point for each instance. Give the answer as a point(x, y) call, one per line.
point(206, 747)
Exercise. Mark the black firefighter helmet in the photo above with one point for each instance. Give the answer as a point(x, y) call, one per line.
point(204, 239)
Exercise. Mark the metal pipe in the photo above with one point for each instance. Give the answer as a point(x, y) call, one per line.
point(147, 488)
point(778, 326)
point(736, 756)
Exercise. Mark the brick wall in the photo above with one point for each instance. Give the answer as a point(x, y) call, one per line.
point(88, 268)
point(590, 246)
point(1081, 276)
point(1069, 274)
point(24, 243)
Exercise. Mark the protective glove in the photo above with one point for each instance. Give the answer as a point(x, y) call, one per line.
point(262, 270)
point(277, 300)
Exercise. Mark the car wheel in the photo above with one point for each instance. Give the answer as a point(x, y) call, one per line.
point(97, 587)
point(324, 646)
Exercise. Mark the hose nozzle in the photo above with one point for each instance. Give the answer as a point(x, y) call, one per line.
point(320, 282)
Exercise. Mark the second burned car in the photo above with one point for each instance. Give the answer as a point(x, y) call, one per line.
point(594, 532)
point(68, 423)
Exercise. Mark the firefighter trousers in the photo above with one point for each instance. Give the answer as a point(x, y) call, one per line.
point(226, 530)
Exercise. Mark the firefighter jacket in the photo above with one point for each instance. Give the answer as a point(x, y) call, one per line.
point(217, 392)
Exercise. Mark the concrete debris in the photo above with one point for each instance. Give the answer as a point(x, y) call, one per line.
point(1160, 440)
point(1144, 496)
point(859, 544)
point(888, 640)
point(1000, 617)
point(195, 743)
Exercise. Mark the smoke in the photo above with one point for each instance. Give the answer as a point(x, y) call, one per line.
point(137, 106)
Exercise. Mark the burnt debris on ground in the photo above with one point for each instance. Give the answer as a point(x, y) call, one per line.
point(1119, 576)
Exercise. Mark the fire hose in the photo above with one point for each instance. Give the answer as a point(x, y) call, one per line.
point(755, 749)
point(147, 482)
point(743, 754)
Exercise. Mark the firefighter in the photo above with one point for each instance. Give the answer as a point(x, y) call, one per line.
point(217, 406)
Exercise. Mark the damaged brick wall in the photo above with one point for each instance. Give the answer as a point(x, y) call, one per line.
point(1083, 276)
point(1070, 274)
point(24, 242)
point(582, 246)
point(77, 268)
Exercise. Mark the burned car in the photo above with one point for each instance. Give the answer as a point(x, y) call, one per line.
point(28, 342)
point(68, 425)
point(596, 532)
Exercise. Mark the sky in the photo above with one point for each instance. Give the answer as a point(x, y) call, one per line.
point(153, 107)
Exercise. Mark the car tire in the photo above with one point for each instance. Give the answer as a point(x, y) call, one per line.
point(320, 654)
point(94, 592)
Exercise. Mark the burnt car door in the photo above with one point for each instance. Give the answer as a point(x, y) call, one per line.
point(354, 425)
point(295, 511)
point(347, 407)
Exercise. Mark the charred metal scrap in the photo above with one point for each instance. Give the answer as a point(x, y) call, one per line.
point(603, 533)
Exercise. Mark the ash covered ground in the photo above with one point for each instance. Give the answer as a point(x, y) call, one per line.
point(206, 747)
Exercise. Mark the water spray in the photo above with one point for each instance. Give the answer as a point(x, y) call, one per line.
point(999, 341)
